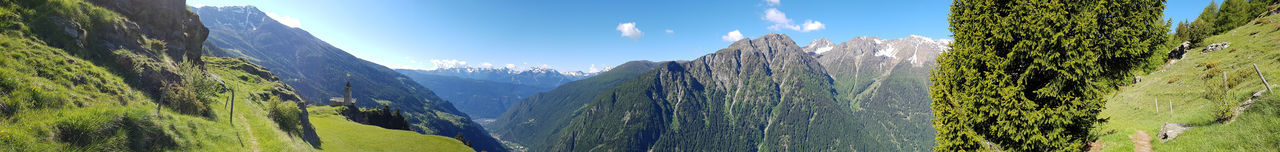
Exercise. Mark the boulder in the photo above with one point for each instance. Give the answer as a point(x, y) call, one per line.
point(1216, 47)
point(1177, 52)
point(1171, 130)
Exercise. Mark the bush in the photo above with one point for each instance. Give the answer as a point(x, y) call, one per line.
point(184, 100)
point(194, 94)
point(285, 114)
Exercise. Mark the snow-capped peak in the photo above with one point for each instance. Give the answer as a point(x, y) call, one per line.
point(819, 46)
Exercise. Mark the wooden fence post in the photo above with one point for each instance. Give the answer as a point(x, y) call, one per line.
point(232, 114)
point(1264, 79)
point(1225, 90)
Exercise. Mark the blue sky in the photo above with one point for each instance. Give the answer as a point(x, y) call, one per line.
point(587, 35)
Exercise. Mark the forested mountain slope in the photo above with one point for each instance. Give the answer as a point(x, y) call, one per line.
point(535, 119)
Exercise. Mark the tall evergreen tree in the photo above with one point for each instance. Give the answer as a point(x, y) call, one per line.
point(1232, 14)
point(1031, 75)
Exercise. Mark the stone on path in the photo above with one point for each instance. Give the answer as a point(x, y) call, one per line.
point(1171, 130)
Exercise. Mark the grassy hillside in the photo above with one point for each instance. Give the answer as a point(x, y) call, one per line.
point(1194, 87)
point(54, 99)
point(339, 134)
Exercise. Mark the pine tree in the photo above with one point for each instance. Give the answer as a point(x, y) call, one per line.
point(1232, 14)
point(1031, 75)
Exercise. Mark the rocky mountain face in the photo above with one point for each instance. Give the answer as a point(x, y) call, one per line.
point(885, 81)
point(319, 71)
point(537, 118)
point(764, 94)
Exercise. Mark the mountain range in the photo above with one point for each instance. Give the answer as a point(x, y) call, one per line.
point(485, 93)
point(752, 96)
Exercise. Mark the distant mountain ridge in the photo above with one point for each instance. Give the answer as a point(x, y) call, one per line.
point(535, 76)
point(484, 92)
point(319, 70)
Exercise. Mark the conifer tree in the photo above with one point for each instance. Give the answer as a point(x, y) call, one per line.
point(1031, 75)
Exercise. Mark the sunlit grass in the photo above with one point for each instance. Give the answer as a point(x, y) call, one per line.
point(1188, 84)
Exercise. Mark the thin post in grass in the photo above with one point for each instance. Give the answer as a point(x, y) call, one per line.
point(164, 91)
point(231, 105)
point(1224, 89)
point(1170, 110)
point(1264, 79)
point(1157, 105)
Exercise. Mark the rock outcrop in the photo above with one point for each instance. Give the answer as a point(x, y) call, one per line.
point(155, 35)
point(164, 20)
point(1171, 130)
point(1216, 47)
point(1179, 51)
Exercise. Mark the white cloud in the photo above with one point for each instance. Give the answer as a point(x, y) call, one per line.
point(486, 65)
point(286, 20)
point(773, 2)
point(629, 30)
point(780, 21)
point(776, 16)
point(444, 64)
point(735, 35)
point(669, 31)
point(511, 66)
point(810, 25)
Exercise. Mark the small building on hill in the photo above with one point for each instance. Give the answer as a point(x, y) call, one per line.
point(346, 98)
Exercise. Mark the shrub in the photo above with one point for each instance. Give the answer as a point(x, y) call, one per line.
point(194, 94)
point(184, 100)
point(285, 114)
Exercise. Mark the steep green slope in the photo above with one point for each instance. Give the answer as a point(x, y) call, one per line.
point(1191, 91)
point(339, 134)
point(78, 76)
point(756, 95)
point(320, 70)
point(477, 98)
point(535, 119)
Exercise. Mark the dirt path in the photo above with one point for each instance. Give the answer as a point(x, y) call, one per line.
point(253, 141)
point(1141, 141)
